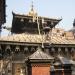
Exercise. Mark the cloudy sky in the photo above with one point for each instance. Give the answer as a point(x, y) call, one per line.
point(64, 9)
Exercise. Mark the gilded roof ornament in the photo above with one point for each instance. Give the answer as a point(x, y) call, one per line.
point(32, 12)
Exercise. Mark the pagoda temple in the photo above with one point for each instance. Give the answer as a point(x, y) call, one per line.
point(35, 46)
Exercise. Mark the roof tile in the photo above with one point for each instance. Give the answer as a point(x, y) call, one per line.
point(39, 54)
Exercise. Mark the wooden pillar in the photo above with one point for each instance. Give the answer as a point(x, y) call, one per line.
point(26, 68)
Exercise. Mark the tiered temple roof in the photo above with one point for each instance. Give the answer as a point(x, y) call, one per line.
point(29, 23)
point(58, 36)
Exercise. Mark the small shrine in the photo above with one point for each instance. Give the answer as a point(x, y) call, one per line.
point(40, 63)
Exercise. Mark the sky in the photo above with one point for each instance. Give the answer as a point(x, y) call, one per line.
point(64, 9)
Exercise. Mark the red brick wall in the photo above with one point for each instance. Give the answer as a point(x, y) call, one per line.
point(41, 70)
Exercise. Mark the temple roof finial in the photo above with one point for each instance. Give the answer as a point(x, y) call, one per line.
point(32, 12)
point(32, 6)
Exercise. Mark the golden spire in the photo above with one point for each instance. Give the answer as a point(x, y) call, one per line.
point(32, 12)
point(32, 6)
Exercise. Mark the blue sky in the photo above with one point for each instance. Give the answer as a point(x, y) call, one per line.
point(49, 8)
